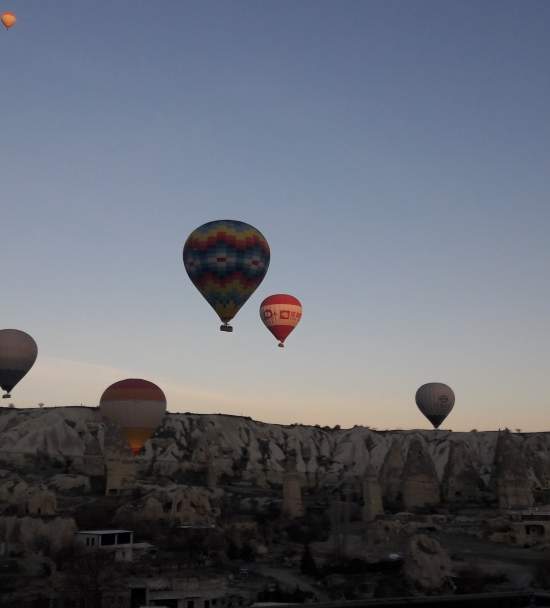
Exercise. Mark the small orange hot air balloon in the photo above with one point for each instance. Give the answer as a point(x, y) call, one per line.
point(8, 20)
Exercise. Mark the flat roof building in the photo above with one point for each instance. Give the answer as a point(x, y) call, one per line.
point(119, 541)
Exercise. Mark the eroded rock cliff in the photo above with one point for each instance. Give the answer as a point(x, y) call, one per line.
point(69, 450)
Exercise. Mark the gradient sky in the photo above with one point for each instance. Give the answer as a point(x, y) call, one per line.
point(395, 154)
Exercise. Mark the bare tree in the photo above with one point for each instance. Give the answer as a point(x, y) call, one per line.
point(90, 576)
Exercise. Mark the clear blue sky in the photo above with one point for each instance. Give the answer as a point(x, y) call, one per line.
point(396, 155)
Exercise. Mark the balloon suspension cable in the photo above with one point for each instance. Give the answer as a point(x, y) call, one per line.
point(226, 327)
point(281, 345)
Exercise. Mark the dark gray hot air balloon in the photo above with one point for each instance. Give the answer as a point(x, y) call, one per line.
point(17, 355)
point(435, 400)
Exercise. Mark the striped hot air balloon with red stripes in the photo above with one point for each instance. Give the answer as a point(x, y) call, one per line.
point(280, 314)
point(136, 406)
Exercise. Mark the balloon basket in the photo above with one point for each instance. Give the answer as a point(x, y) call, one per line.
point(281, 345)
point(226, 328)
point(6, 396)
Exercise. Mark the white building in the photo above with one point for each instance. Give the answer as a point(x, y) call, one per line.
point(186, 592)
point(120, 542)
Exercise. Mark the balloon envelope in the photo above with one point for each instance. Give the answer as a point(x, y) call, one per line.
point(8, 20)
point(136, 406)
point(18, 353)
point(435, 400)
point(280, 314)
point(226, 260)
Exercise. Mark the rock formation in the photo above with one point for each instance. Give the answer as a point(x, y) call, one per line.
point(292, 490)
point(372, 495)
point(61, 446)
point(173, 504)
point(420, 483)
point(462, 483)
point(120, 474)
point(42, 502)
point(514, 485)
point(35, 534)
point(391, 475)
point(427, 565)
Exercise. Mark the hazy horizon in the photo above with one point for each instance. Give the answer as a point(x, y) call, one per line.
point(440, 430)
point(395, 156)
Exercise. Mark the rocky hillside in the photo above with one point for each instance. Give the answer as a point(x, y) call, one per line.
point(72, 445)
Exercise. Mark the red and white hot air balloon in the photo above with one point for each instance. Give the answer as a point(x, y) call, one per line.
point(280, 314)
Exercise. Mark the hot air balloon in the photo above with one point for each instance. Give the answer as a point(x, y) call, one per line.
point(226, 260)
point(17, 355)
point(280, 314)
point(435, 400)
point(8, 20)
point(136, 406)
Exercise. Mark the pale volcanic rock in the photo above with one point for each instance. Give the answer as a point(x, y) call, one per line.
point(152, 509)
point(32, 533)
point(292, 496)
point(192, 505)
point(372, 495)
point(129, 514)
point(70, 483)
point(512, 475)
point(383, 534)
point(13, 491)
point(42, 502)
point(420, 484)
point(536, 452)
point(50, 430)
point(461, 481)
point(391, 475)
point(427, 565)
point(466, 466)
point(29, 499)
point(178, 504)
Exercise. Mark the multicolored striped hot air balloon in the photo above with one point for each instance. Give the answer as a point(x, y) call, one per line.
point(280, 314)
point(226, 260)
point(18, 353)
point(435, 400)
point(136, 406)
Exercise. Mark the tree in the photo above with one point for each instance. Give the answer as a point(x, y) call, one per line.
point(308, 565)
point(91, 575)
point(232, 550)
point(247, 553)
point(42, 544)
